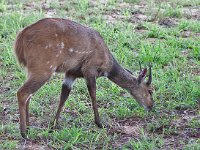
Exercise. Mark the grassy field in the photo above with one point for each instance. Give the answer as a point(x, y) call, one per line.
point(166, 33)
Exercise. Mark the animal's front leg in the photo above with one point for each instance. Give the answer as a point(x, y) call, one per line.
point(91, 85)
point(66, 88)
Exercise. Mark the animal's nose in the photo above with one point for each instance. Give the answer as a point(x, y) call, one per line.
point(148, 108)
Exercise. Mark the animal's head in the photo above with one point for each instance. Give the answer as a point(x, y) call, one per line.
point(142, 91)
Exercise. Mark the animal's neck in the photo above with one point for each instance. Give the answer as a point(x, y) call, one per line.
point(121, 76)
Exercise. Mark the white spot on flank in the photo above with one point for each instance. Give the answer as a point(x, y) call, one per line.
point(60, 52)
point(56, 35)
point(71, 49)
point(82, 52)
point(62, 45)
point(48, 46)
point(68, 81)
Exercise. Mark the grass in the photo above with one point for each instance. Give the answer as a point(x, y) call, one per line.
point(174, 55)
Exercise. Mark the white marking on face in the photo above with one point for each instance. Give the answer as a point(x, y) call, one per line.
point(62, 45)
point(71, 50)
point(48, 62)
point(68, 81)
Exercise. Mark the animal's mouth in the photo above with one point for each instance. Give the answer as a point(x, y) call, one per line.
point(148, 108)
point(142, 103)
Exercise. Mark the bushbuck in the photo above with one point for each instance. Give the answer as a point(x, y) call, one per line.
point(60, 45)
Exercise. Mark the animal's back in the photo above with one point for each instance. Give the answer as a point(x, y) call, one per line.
point(59, 44)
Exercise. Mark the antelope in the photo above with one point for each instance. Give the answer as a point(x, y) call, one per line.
point(59, 45)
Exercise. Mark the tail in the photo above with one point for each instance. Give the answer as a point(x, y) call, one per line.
point(19, 49)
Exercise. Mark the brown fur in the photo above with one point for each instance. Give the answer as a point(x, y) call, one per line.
point(31, 42)
point(19, 51)
point(59, 45)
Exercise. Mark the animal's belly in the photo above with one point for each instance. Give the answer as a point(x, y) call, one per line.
point(70, 66)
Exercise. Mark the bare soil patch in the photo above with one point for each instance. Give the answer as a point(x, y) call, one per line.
point(167, 22)
point(113, 16)
point(191, 13)
point(179, 131)
point(32, 145)
point(128, 129)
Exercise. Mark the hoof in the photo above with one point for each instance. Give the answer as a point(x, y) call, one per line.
point(27, 129)
point(99, 124)
point(24, 135)
point(51, 130)
point(53, 126)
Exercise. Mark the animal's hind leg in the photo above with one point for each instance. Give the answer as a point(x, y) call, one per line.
point(34, 82)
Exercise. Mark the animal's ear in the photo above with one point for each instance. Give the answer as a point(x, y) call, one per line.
point(142, 75)
point(150, 76)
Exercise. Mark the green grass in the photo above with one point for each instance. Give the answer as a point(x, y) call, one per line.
point(176, 80)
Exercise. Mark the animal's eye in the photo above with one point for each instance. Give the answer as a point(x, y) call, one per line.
point(150, 92)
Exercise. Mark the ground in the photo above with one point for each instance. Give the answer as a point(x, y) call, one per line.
point(165, 33)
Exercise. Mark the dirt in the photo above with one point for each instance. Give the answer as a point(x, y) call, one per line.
point(192, 13)
point(167, 22)
point(4, 89)
point(138, 18)
point(130, 128)
point(188, 33)
point(94, 3)
point(32, 145)
point(113, 16)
